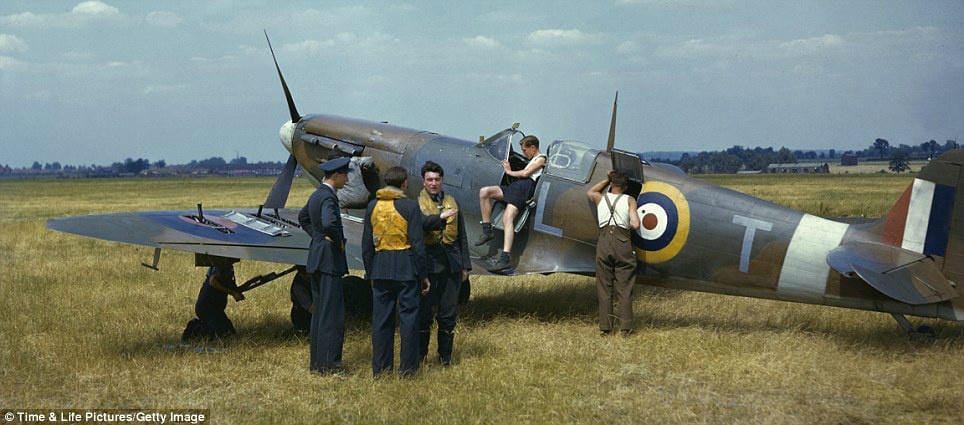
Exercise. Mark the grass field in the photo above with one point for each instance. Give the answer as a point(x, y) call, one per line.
point(84, 326)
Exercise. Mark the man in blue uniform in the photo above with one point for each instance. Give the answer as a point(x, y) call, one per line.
point(394, 254)
point(448, 260)
point(321, 219)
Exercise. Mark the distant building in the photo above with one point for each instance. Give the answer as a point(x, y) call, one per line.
point(848, 159)
point(797, 168)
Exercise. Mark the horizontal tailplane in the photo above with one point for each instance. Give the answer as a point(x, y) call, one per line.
point(900, 274)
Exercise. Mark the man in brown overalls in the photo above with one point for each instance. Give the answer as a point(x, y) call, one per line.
point(615, 255)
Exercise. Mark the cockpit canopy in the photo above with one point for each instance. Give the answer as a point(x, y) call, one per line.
point(500, 144)
point(571, 160)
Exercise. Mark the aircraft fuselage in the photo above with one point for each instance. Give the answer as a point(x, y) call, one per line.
point(695, 235)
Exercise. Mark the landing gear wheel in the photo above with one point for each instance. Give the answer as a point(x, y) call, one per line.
point(300, 318)
point(925, 333)
point(301, 302)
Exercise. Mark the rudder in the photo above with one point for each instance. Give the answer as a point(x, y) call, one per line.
point(929, 216)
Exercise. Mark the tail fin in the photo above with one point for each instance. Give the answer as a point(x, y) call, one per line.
point(929, 217)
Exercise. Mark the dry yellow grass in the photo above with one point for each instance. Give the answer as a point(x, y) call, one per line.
point(83, 325)
point(825, 195)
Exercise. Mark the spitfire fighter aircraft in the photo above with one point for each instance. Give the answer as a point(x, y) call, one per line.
point(694, 235)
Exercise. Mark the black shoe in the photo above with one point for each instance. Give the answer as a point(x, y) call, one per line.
point(445, 361)
point(500, 263)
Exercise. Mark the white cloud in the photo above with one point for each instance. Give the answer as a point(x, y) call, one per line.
point(25, 19)
point(82, 14)
point(742, 47)
point(370, 45)
point(558, 37)
point(482, 42)
point(165, 89)
point(12, 43)
point(94, 8)
point(696, 48)
point(811, 45)
point(908, 43)
point(163, 19)
point(309, 46)
point(8, 63)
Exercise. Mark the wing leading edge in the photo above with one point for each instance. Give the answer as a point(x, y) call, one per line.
point(216, 234)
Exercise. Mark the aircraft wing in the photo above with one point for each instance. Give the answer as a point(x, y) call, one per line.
point(228, 233)
point(903, 275)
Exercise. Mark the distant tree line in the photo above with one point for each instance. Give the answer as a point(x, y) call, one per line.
point(215, 162)
point(739, 158)
point(731, 160)
point(128, 166)
point(882, 149)
point(131, 166)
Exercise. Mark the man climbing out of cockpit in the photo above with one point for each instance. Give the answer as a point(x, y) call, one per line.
point(515, 195)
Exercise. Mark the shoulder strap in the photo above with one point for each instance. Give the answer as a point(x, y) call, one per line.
point(612, 207)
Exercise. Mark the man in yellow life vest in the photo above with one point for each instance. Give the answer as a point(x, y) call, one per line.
point(393, 250)
point(448, 262)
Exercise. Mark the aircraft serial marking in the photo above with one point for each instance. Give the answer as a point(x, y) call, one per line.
point(752, 225)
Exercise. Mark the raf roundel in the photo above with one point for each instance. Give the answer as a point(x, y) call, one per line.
point(664, 217)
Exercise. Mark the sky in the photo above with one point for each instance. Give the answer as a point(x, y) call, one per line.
point(95, 82)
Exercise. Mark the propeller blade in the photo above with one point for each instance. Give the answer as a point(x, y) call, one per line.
point(612, 127)
point(295, 117)
point(279, 192)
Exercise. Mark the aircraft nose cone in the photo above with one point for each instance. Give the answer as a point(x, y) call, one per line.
point(287, 133)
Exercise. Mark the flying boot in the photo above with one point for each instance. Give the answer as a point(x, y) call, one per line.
point(487, 234)
point(423, 337)
point(445, 342)
point(500, 263)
